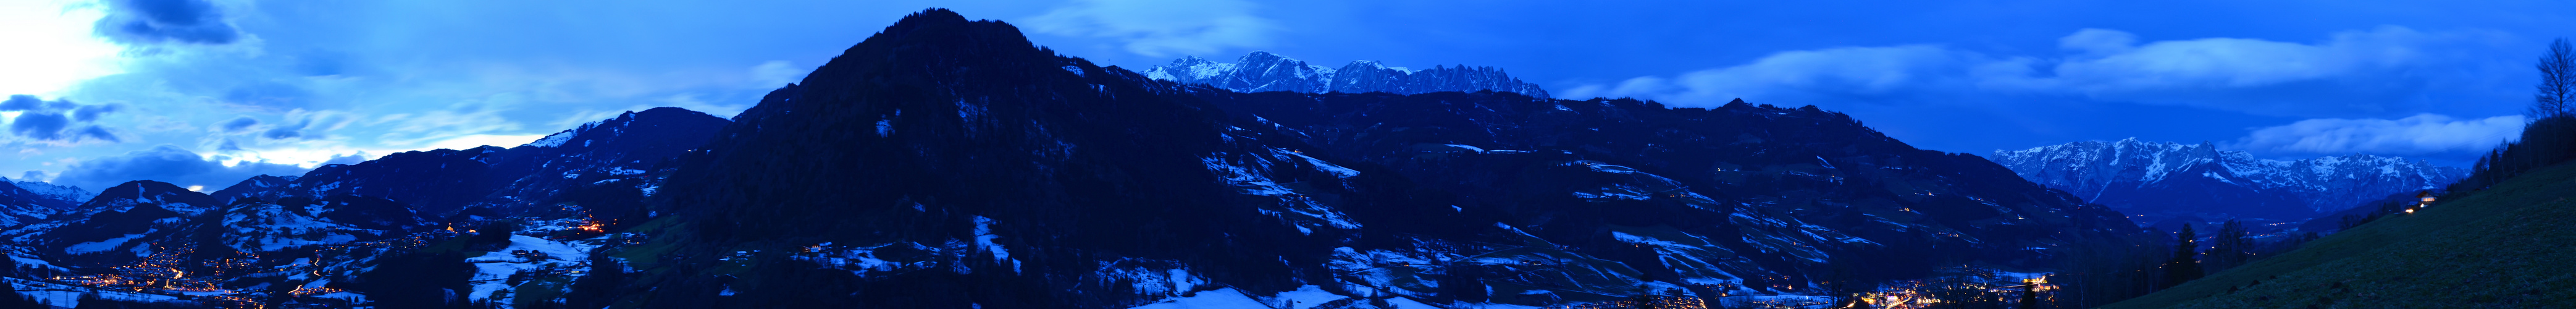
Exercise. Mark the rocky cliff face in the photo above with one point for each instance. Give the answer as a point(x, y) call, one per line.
point(1263, 71)
point(2161, 177)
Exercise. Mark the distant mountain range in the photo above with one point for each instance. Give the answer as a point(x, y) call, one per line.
point(2164, 177)
point(1263, 71)
point(72, 194)
point(24, 201)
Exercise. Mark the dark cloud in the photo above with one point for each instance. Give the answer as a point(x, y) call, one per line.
point(96, 133)
point(237, 124)
point(21, 102)
point(84, 113)
point(169, 164)
point(87, 113)
point(157, 21)
point(284, 132)
point(40, 125)
point(52, 120)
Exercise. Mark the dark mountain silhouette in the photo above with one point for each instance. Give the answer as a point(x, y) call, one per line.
point(949, 163)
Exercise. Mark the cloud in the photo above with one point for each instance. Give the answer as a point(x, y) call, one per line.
point(776, 73)
point(158, 21)
point(21, 102)
point(2352, 73)
point(2098, 41)
point(40, 126)
point(169, 164)
point(1808, 75)
point(34, 176)
point(1161, 28)
point(351, 158)
point(87, 113)
point(2366, 72)
point(2419, 134)
point(237, 124)
point(55, 120)
point(93, 132)
point(82, 112)
point(285, 132)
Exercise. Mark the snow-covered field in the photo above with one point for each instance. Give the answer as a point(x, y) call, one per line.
point(493, 269)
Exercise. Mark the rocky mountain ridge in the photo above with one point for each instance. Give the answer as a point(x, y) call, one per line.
point(2164, 176)
point(1263, 71)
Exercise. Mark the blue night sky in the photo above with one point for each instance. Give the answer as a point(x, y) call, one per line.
point(208, 92)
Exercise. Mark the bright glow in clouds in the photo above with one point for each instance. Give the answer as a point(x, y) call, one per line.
point(2420, 134)
point(51, 46)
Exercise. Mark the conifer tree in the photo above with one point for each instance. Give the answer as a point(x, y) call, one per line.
point(2230, 247)
point(2183, 267)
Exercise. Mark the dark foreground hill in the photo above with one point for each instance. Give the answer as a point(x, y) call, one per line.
point(2502, 247)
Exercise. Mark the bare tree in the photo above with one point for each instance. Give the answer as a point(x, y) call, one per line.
point(2557, 82)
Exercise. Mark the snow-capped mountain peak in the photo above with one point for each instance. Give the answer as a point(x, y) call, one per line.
point(1264, 71)
point(2166, 176)
point(71, 194)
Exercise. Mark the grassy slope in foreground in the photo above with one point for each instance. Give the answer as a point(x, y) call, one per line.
point(2513, 245)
